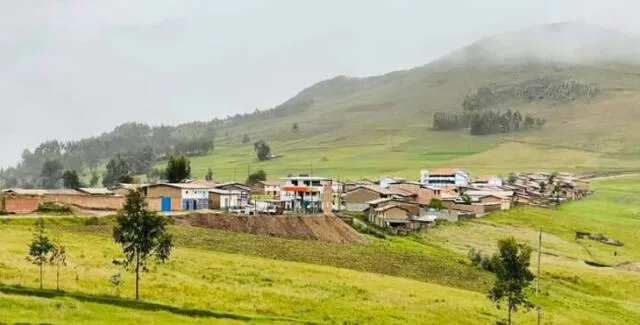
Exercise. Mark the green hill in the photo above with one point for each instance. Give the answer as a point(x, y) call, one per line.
point(217, 277)
point(582, 80)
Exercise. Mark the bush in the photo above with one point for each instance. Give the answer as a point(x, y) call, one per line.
point(93, 221)
point(54, 208)
point(363, 229)
point(479, 260)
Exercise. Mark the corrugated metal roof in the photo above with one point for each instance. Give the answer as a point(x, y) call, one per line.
point(96, 191)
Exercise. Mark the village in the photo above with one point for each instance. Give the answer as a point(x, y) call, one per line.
point(396, 204)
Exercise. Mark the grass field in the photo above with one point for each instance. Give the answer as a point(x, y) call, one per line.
point(229, 278)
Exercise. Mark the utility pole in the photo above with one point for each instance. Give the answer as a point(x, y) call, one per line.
point(538, 282)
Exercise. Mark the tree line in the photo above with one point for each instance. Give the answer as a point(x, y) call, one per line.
point(486, 122)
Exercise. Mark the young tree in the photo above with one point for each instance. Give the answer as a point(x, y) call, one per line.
point(436, 204)
point(40, 247)
point(262, 149)
point(70, 179)
point(256, 177)
point(511, 266)
point(209, 176)
point(142, 234)
point(295, 128)
point(512, 179)
point(178, 169)
point(58, 258)
point(245, 138)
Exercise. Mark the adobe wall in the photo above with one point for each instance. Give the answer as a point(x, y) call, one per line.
point(22, 204)
point(91, 202)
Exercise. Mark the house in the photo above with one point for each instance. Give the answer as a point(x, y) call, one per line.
point(412, 207)
point(446, 176)
point(423, 194)
point(391, 216)
point(487, 180)
point(307, 194)
point(223, 199)
point(124, 188)
point(177, 196)
point(267, 188)
point(244, 190)
point(366, 193)
point(351, 185)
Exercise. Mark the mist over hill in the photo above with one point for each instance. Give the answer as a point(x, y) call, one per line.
point(573, 58)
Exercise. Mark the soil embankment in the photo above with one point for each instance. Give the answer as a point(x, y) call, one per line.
point(324, 228)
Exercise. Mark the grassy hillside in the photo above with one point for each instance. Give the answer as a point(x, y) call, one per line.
point(229, 278)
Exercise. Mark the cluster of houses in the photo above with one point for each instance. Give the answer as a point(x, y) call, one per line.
point(441, 194)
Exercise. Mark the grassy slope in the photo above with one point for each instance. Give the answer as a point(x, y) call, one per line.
point(230, 278)
point(605, 295)
point(383, 128)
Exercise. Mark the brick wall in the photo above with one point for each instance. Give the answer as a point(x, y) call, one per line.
point(91, 202)
point(21, 204)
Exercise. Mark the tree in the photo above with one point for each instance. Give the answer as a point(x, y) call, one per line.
point(141, 234)
point(256, 177)
point(51, 173)
point(95, 178)
point(466, 199)
point(512, 179)
point(543, 187)
point(511, 266)
point(178, 169)
point(58, 258)
point(70, 179)
point(118, 171)
point(209, 176)
point(245, 138)
point(295, 128)
point(40, 247)
point(262, 149)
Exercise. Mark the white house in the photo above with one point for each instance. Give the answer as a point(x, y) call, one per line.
point(443, 177)
point(307, 194)
point(487, 180)
point(224, 199)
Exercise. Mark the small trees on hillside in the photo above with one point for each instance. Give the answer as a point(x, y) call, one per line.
point(40, 247)
point(58, 258)
point(178, 169)
point(142, 234)
point(118, 171)
point(511, 266)
point(262, 149)
point(209, 175)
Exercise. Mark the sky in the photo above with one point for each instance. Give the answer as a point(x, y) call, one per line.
point(76, 68)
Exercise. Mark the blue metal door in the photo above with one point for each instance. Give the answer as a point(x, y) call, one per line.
point(166, 204)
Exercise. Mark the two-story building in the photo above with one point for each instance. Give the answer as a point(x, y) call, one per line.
point(444, 177)
point(307, 194)
point(487, 180)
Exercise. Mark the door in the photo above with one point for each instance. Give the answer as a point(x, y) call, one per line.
point(166, 204)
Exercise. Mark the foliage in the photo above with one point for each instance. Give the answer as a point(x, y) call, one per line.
point(209, 175)
point(246, 139)
point(435, 204)
point(479, 260)
point(70, 179)
point(95, 179)
point(512, 178)
point(40, 247)
point(262, 149)
point(466, 199)
point(258, 176)
point(511, 266)
point(450, 121)
point(141, 234)
point(492, 122)
point(193, 147)
point(51, 174)
point(58, 258)
point(178, 169)
point(54, 208)
point(295, 128)
point(118, 171)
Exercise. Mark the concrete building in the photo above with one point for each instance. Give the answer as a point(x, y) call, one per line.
point(177, 196)
point(307, 194)
point(444, 177)
point(223, 200)
point(487, 180)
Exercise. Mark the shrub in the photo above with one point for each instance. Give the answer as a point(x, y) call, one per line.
point(479, 260)
point(54, 208)
point(364, 229)
point(93, 221)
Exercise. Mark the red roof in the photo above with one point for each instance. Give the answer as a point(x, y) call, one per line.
point(443, 172)
point(484, 178)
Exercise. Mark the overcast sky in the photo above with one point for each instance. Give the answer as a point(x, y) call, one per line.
point(74, 68)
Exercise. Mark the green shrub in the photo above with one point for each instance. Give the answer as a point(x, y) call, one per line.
point(479, 260)
point(93, 221)
point(54, 208)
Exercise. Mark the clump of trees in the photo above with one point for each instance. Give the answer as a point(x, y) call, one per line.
point(118, 171)
point(178, 169)
point(142, 235)
point(258, 176)
point(492, 122)
point(70, 179)
point(262, 149)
